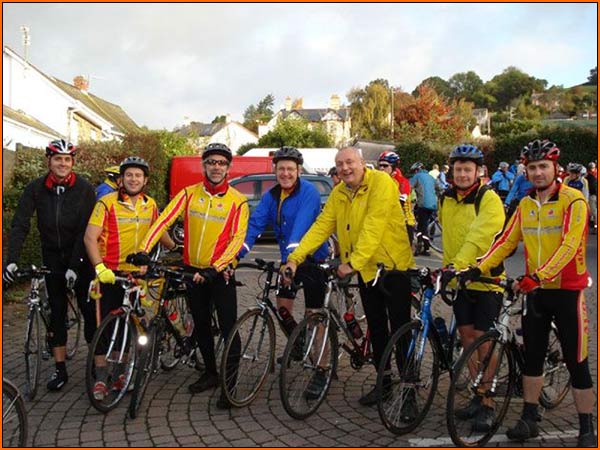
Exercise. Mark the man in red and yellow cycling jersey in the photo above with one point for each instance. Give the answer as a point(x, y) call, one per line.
point(215, 223)
point(115, 229)
point(552, 222)
point(365, 213)
point(388, 162)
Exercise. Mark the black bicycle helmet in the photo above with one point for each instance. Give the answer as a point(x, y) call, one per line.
point(288, 153)
point(417, 166)
point(217, 149)
point(466, 152)
point(134, 161)
point(574, 167)
point(539, 150)
point(60, 147)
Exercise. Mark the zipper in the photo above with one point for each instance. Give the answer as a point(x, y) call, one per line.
point(204, 226)
point(57, 220)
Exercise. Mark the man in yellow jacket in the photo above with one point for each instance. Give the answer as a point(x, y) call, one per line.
point(366, 215)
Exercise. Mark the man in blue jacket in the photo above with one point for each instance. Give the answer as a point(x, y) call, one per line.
point(519, 189)
point(424, 186)
point(502, 180)
point(291, 207)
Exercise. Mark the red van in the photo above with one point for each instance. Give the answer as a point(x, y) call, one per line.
point(187, 170)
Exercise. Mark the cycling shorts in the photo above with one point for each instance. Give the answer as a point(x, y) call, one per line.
point(477, 308)
point(314, 282)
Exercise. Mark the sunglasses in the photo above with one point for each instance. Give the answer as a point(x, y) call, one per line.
point(383, 165)
point(216, 162)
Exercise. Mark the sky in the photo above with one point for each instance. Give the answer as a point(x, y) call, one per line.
point(163, 63)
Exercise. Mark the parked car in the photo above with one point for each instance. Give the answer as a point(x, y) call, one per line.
point(254, 186)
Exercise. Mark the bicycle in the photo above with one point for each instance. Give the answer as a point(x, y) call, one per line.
point(38, 348)
point(317, 338)
point(497, 374)
point(115, 342)
point(419, 240)
point(414, 358)
point(159, 332)
point(14, 416)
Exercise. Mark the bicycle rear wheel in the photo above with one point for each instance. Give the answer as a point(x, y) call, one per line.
point(146, 364)
point(14, 417)
point(308, 364)
point(407, 378)
point(111, 360)
point(254, 332)
point(33, 352)
point(73, 325)
point(557, 380)
point(485, 370)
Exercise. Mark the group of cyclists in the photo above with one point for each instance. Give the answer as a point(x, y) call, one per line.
point(370, 214)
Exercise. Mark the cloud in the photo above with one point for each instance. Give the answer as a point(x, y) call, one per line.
point(162, 62)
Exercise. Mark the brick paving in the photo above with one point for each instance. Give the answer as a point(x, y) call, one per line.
point(171, 417)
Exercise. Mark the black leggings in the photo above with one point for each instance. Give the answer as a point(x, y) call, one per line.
point(385, 315)
point(224, 297)
point(568, 310)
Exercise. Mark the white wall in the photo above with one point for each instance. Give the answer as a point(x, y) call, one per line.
point(316, 160)
point(13, 133)
point(234, 136)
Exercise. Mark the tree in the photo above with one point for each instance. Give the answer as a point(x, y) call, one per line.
point(439, 85)
point(512, 84)
point(219, 119)
point(465, 85)
point(430, 117)
point(370, 109)
point(296, 133)
point(260, 113)
point(593, 78)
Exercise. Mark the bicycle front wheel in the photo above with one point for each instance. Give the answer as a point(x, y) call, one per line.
point(33, 352)
point(480, 391)
point(307, 366)
point(557, 380)
point(251, 348)
point(14, 417)
point(73, 325)
point(110, 362)
point(407, 378)
point(146, 364)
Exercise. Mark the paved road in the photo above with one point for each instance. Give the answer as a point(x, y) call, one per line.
point(172, 417)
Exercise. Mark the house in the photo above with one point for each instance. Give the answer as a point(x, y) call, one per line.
point(335, 119)
point(482, 119)
point(37, 107)
point(231, 133)
point(316, 160)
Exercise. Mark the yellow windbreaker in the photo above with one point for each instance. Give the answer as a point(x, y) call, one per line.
point(214, 225)
point(370, 226)
point(467, 235)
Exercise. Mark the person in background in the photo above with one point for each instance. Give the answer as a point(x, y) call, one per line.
point(334, 176)
point(435, 171)
point(593, 200)
point(502, 180)
point(110, 183)
point(576, 179)
point(519, 189)
point(423, 185)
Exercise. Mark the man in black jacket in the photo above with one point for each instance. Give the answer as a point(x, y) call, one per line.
point(63, 203)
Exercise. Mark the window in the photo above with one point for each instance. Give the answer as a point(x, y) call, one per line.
point(246, 188)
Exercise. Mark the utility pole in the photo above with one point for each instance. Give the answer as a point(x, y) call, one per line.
point(392, 111)
point(26, 40)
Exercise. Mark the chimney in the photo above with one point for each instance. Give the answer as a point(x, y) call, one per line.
point(81, 83)
point(227, 118)
point(334, 102)
point(288, 104)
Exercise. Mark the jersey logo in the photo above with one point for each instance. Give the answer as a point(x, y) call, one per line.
point(550, 213)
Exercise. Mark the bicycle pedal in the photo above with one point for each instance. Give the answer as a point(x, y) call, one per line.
point(45, 355)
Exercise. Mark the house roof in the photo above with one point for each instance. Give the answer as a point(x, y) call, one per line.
point(109, 111)
point(200, 129)
point(21, 117)
point(317, 114)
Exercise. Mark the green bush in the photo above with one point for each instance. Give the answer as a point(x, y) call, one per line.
point(428, 154)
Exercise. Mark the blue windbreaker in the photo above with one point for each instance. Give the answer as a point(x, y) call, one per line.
point(424, 186)
point(298, 212)
point(519, 189)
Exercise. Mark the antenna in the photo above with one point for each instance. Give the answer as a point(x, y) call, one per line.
point(26, 39)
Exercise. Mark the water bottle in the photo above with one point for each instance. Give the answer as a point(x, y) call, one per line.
point(352, 325)
point(288, 321)
point(188, 323)
point(440, 326)
point(177, 322)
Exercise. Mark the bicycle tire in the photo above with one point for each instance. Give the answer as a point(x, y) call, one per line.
point(14, 417)
point(146, 363)
point(254, 360)
point(466, 382)
point(170, 353)
point(33, 352)
point(119, 343)
point(404, 384)
point(73, 325)
point(300, 362)
point(557, 380)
